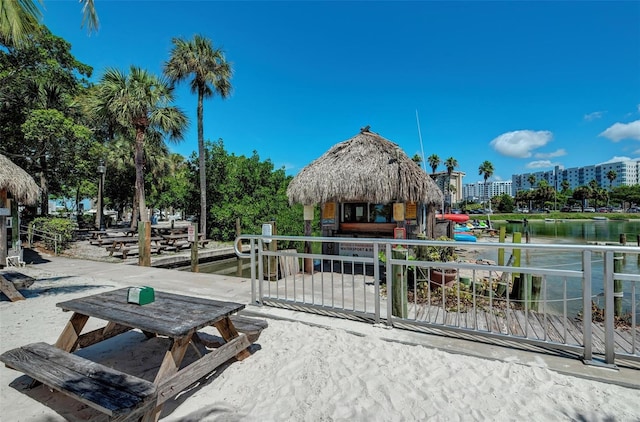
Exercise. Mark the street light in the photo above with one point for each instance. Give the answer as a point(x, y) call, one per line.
point(102, 169)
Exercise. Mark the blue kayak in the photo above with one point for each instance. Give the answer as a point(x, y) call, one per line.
point(464, 237)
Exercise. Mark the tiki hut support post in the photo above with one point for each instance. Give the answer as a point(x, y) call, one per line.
point(17, 184)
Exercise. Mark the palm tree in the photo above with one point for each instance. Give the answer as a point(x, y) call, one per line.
point(138, 103)
point(486, 171)
point(434, 162)
point(211, 75)
point(20, 18)
point(611, 175)
point(450, 163)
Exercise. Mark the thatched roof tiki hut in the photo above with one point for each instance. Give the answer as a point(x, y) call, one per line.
point(15, 186)
point(359, 184)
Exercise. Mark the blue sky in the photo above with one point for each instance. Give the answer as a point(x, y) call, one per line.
point(525, 85)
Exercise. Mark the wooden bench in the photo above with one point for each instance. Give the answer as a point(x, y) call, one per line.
point(11, 282)
point(120, 396)
point(252, 327)
point(154, 249)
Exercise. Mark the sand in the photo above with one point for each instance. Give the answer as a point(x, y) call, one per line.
point(300, 372)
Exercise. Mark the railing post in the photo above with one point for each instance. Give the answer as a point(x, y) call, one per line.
point(586, 307)
point(389, 281)
point(252, 252)
point(609, 346)
point(260, 268)
point(376, 281)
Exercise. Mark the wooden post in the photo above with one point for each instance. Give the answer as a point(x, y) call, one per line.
point(518, 280)
point(144, 241)
point(526, 230)
point(194, 249)
point(3, 230)
point(623, 239)
point(399, 301)
point(271, 265)
point(503, 235)
point(535, 287)
point(308, 217)
point(239, 246)
point(617, 285)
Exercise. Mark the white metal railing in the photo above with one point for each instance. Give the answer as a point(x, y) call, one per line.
point(582, 299)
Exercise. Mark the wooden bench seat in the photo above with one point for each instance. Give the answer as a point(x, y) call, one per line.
point(252, 327)
point(118, 395)
point(134, 248)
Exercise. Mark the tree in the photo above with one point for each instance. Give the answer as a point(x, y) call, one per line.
point(450, 163)
point(211, 75)
point(582, 193)
point(486, 171)
point(138, 103)
point(434, 162)
point(55, 136)
point(417, 159)
point(565, 186)
point(611, 175)
point(40, 125)
point(19, 18)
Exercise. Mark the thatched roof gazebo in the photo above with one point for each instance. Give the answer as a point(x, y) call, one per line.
point(366, 168)
point(23, 189)
point(17, 181)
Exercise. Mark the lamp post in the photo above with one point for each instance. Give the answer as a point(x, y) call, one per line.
point(101, 171)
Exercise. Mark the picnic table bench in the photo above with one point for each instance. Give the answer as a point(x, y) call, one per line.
point(97, 234)
point(178, 240)
point(123, 396)
point(118, 395)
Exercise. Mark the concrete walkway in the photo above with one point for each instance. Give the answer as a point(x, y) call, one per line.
point(239, 290)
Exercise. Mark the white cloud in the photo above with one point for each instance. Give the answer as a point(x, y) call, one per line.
point(541, 164)
point(616, 159)
point(593, 116)
point(620, 131)
point(520, 142)
point(558, 153)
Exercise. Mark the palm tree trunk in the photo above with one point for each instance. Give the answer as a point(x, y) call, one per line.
point(139, 161)
point(134, 212)
point(44, 186)
point(203, 169)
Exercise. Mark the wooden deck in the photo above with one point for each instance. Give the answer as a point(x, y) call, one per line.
point(529, 325)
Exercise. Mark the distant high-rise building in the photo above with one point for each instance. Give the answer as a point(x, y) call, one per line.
point(442, 179)
point(627, 174)
point(477, 192)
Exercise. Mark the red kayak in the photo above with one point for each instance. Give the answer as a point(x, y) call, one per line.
point(458, 218)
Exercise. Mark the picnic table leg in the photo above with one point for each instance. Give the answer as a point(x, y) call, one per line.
point(169, 366)
point(229, 332)
point(68, 340)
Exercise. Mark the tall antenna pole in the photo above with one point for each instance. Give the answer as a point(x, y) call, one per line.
point(424, 162)
point(424, 166)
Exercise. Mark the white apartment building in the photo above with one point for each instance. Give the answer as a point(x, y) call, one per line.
point(627, 174)
point(476, 191)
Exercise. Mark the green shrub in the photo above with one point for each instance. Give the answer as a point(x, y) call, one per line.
point(60, 228)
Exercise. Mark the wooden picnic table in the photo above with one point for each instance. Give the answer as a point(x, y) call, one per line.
point(172, 239)
point(97, 234)
point(124, 243)
point(122, 396)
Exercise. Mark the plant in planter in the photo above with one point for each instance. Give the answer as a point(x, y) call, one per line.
point(439, 276)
